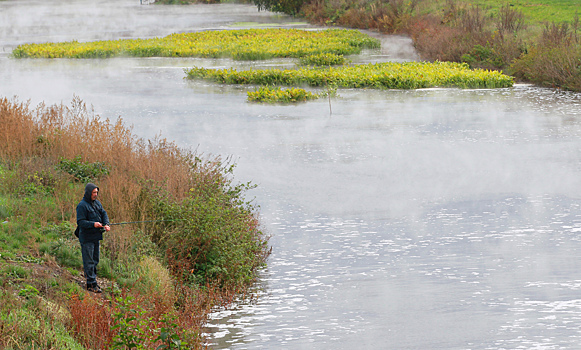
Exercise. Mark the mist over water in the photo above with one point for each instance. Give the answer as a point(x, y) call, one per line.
point(82, 20)
point(427, 219)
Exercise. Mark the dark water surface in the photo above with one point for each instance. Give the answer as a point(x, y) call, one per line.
point(428, 219)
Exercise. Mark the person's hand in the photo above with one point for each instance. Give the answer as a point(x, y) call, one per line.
point(107, 228)
point(98, 225)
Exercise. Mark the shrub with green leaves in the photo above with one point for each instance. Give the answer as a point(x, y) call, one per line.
point(558, 65)
point(290, 7)
point(83, 171)
point(130, 325)
point(484, 57)
point(38, 183)
point(135, 330)
point(217, 239)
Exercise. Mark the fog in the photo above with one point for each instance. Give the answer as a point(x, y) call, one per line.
point(81, 20)
point(426, 219)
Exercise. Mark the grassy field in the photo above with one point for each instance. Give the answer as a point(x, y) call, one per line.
point(537, 11)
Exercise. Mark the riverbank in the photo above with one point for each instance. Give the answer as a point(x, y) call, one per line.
point(160, 279)
point(531, 44)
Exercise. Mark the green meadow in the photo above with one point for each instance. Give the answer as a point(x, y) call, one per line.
point(537, 10)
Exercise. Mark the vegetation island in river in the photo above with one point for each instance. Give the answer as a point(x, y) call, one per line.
point(320, 54)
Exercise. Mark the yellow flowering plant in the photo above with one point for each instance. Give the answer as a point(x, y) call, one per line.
point(245, 44)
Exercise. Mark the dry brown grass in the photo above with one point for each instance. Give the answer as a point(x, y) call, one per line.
point(38, 138)
point(389, 16)
point(57, 132)
point(18, 135)
point(91, 321)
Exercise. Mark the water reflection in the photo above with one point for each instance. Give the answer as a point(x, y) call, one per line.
point(437, 218)
point(467, 274)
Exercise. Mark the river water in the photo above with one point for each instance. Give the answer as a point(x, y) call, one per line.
point(427, 219)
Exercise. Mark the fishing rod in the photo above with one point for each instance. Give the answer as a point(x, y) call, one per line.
point(129, 222)
point(138, 222)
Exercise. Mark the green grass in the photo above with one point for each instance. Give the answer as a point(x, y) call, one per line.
point(33, 324)
point(65, 251)
point(536, 11)
point(15, 271)
point(14, 238)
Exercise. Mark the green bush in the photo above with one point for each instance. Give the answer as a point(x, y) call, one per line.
point(290, 7)
point(483, 57)
point(38, 183)
point(130, 325)
point(217, 239)
point(83, 171)
point(557, 66)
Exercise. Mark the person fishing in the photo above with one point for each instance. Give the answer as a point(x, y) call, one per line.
point(92, 221)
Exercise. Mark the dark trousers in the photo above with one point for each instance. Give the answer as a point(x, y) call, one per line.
point(90, 252)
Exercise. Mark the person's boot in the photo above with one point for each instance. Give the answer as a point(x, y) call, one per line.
point(93, 287)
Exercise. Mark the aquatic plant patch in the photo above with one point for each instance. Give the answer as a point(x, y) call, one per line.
point(323, 59)
point(247, 44)
point(267, 94)
point(389, 75)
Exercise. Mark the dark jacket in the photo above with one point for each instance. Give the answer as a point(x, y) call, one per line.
point(89, 212)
